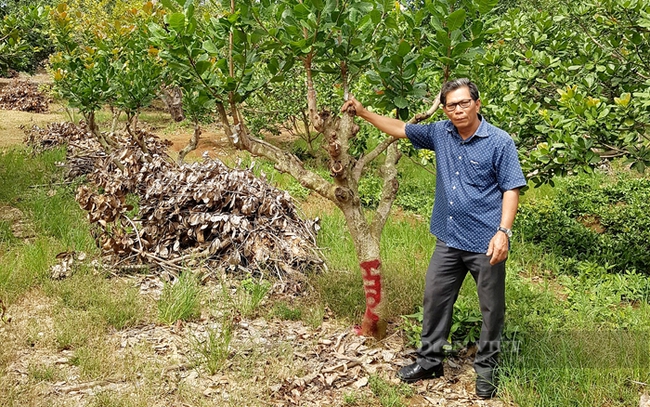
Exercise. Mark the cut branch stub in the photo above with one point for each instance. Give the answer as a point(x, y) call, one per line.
point(334, 147)
point(336, 169)
point(342, 194)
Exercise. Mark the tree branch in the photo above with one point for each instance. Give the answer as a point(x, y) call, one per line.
point(364, 160)
point(316, 120)
point(388, 192)
point(424, 116)
point(285, 162)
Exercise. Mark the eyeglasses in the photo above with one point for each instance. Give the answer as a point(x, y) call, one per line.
point(464, 104)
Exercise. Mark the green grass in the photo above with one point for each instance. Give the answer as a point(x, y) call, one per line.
point(42, 373)
point(389, 395)
point(212, 351)
point(111, 303)
point(180, 300)
point(32, 184)
point(24, 266)
point(91, 361)
point(107, 398)
point(284, 311)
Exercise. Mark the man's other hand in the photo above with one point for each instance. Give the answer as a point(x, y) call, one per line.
point(498, 248)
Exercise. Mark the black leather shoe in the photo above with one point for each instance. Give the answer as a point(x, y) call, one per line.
point(414, 372)
point(486, 385)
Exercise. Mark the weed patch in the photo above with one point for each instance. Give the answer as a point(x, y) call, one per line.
point(389, 395)
point(42, 373)
point(180, 300)
point(212, 352)
point(283, 311)
point(109, 302)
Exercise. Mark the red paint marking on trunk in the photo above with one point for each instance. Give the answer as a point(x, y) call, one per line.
point(372, 289)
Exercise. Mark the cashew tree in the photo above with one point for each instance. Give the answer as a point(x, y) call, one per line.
point(240, 46)
point(105, 62)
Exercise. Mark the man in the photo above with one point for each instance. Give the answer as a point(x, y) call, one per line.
point(477, 194)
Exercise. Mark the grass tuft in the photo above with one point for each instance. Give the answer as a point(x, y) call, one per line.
point(283, 311)
point(389, 395)
point(181, 300)
point(212, 352)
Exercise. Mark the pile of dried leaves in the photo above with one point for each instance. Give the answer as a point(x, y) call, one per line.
point(202, 213)
point(24, 96)
point(58, 134)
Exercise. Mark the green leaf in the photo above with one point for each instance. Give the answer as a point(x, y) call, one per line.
point(202, 66)
point(456, 20)
point(375, 15)
point(157, 31)
point(363, 6)
point(169, 5)
point(476, 28)
point(209, 46)
point(300, 11)
point(273, 66)
point(446, 61)
point(404, 48)
point(443, 38)
point(485, 6)
point(401, 102)
point(460, 48)
point(278, 78)
point(176, 22)
point(189, 10)
point(391, 23)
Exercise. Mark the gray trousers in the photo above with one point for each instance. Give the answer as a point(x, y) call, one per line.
point(445, 275)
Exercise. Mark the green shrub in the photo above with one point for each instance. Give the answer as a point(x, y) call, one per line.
point(591, 219)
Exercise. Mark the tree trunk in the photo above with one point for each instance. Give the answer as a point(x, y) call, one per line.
point(132, 129)
point(368, 254)
point(93, 128)
point(193, 143)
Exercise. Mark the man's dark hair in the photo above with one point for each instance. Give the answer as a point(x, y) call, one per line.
point(456, 84)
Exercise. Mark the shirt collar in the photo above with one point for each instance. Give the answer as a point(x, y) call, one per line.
point(481, 131)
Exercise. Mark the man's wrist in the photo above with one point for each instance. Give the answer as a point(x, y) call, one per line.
point(507, 231)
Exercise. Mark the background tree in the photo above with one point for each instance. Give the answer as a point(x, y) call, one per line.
point(572, 84)
point(106, 62)
point(24, 37)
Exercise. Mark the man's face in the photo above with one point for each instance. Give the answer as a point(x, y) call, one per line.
point(462, 118)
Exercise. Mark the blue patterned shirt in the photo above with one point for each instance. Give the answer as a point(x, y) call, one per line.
point(471, 177)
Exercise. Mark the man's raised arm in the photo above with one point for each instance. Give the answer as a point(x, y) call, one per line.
point(388, 125)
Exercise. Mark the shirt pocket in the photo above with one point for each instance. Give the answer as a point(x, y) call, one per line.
point(480, 173)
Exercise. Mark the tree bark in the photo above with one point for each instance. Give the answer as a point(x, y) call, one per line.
point(192, 144)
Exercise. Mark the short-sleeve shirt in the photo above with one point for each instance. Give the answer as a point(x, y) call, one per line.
point(471, 177)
